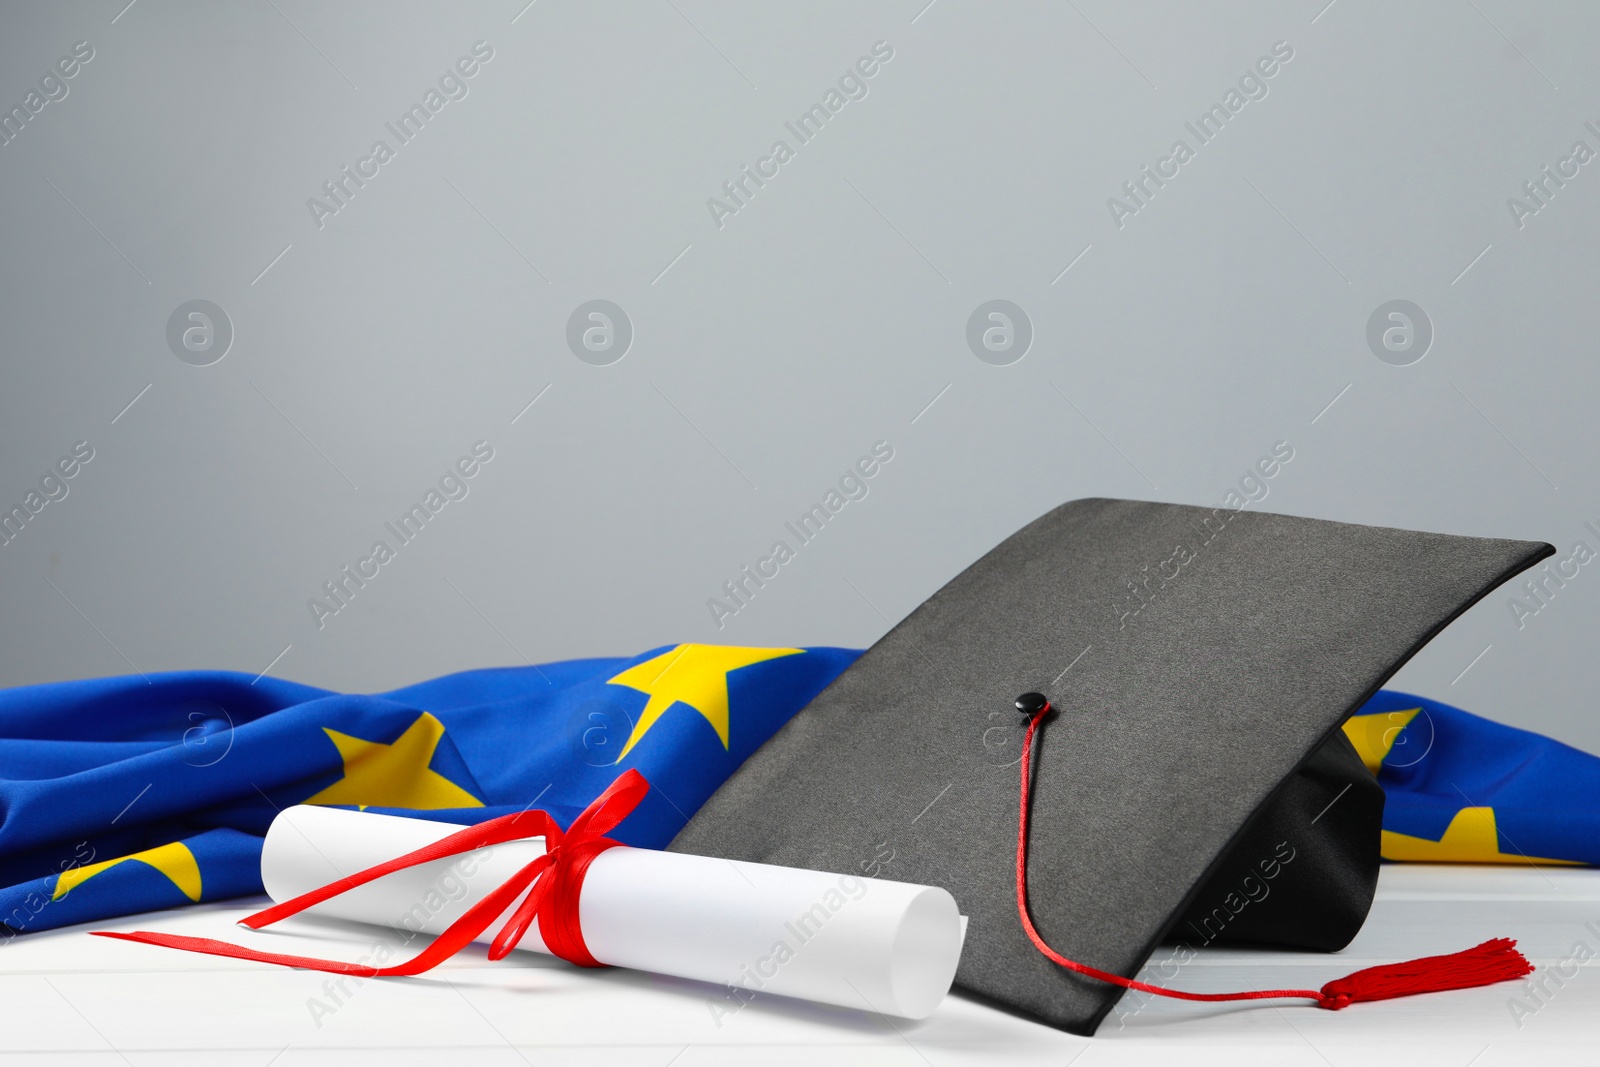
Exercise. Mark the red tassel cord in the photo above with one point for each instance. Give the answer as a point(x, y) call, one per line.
point(1493, 961)
point(553, 883)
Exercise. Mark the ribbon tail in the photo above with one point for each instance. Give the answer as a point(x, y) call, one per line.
point(511, 827)
point(456, 937)
point(517, 926)
point(212, 947)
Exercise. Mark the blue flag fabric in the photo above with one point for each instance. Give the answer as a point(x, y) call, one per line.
point(120, 795)
point(1461, 789)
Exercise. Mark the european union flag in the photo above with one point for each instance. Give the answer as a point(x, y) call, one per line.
point(1461, 789)
point(131, 794)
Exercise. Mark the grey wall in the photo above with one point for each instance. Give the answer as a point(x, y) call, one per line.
point(772, 346)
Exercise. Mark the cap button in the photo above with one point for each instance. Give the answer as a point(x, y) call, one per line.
point(1031, 704)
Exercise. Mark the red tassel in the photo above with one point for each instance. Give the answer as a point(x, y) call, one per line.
point(1496, 960)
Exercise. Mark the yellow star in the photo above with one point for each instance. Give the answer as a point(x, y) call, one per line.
point(174, 860)
point(1374, 735)
point(1471, 837)
point(395, 775)
point(696, 675)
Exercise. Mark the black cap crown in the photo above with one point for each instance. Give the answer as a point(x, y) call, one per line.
point(1208, 658)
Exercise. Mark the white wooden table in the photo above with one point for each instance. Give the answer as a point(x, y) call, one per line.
point(69, 999)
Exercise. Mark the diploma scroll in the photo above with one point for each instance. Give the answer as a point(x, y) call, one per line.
point(858, 942)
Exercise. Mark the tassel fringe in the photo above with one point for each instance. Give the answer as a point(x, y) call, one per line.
point(1496, 960)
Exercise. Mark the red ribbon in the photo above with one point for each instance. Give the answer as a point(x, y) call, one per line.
point(553, 882)
point(1496, 960)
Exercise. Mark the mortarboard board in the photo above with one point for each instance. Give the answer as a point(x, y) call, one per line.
point(1193, 784)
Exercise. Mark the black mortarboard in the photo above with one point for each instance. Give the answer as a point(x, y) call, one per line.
point(1200, 663)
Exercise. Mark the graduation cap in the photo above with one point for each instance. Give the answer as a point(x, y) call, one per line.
point(1194, 666)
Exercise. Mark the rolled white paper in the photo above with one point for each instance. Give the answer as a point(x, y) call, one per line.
point(858, 942)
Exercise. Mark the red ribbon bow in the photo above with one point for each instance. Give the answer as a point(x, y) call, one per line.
point(553, 883)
